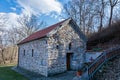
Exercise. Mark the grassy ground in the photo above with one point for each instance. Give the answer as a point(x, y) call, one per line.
point(7, 74)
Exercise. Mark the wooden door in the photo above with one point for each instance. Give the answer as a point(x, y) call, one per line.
point(68, 59)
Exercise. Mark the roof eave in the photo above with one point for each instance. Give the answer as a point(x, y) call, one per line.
point(31, 40)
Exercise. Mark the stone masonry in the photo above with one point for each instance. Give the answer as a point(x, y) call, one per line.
point(36, 62)
point(57, 56)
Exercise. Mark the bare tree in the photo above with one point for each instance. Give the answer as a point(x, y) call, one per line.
point(83, 12)
point(113, 3)
point(29, 25)
point(101, 9)
point(3, 20)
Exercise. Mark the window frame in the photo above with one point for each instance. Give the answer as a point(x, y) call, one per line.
point(24, 52)
point(32, 52)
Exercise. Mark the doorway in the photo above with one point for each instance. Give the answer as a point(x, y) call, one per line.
point(68, 60)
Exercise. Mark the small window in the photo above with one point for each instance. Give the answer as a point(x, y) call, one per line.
point(70, 46)
point(24, 52)
point(32, 52)
point(57, 47)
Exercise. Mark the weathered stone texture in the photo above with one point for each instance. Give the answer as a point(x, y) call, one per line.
point(36, 63)
point(58, 45)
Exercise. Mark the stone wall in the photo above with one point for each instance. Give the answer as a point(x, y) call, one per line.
point(91, 56)
point(59, 44)
point(33, 56)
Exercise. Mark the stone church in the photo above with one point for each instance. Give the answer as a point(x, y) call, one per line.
point(53, 50)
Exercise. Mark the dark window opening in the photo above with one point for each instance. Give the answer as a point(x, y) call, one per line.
point(60, 25)
point(70, 46)
point(57, 47)
point(32, 52)
point(24, 53)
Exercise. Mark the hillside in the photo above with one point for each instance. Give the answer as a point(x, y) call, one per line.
point(110, 71)
point(108, 37)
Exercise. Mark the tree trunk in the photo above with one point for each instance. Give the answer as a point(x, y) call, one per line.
point(110, 20)
point(3, 56)
point(101, 20)
point(12, 52)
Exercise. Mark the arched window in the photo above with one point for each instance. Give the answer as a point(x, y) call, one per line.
point(70, 46)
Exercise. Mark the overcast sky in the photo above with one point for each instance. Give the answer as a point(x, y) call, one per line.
point(48, 10)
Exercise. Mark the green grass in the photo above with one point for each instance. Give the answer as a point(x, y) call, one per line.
point(7, 74)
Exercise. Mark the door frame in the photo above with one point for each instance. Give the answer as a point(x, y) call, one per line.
point(68, 60)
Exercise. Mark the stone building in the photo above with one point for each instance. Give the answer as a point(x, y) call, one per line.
point(53, 50)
